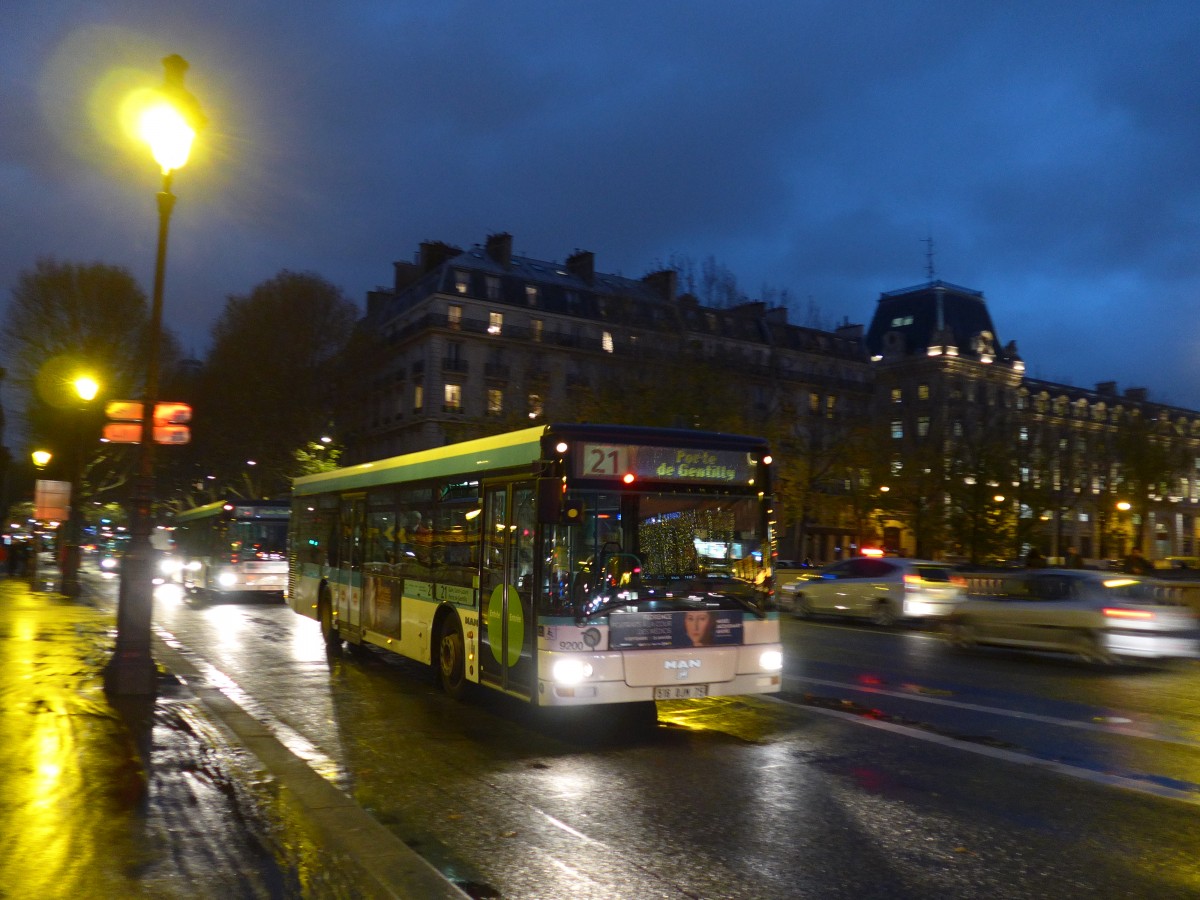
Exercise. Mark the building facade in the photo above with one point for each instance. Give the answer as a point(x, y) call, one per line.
point(902, 434)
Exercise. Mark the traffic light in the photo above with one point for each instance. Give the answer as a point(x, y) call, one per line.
point(125, 427)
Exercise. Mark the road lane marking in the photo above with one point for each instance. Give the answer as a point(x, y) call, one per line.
point(1049, 765)
point(1109, 727)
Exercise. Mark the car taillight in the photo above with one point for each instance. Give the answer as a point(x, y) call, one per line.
point(958, 581)
point(1115, 612)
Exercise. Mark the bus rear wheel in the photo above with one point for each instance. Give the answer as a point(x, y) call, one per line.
point(452, 658)
point(329, 632)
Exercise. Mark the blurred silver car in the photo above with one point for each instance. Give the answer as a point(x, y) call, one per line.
point(881, 590)
point(1100, 616)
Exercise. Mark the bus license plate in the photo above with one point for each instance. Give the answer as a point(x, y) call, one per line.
point(681, 692)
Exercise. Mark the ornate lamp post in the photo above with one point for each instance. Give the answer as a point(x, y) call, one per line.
point(41, 459)
point(169, 128)
point(86, 388)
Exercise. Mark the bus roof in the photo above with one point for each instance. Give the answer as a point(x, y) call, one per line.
point(211, 509)
point(511, 450)
point(501, 451)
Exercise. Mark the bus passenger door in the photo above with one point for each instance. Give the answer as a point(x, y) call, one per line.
point(507, 623)
point(347, 581)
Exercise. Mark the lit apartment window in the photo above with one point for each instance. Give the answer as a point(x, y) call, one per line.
point(535, 406)
point(897, 428)
point(1024, 433)
point(922, 392)
point(830, 406)
point(901, 321)
point(462, 281)
point(493, 288)
point(495, 322)
point(495, 401)
point(814, 402)
point(923, 426)
point(531, 294)
point(418, 397)
point(454, 316)
point(452, 398)
point(897, 395)
point(535, 330)
point(607, 342)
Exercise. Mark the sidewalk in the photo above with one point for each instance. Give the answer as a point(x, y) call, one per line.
point(177, 796)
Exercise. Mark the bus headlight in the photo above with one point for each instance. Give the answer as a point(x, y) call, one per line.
point(571, 671)
point(227, 579)
point(771, 660)
point(168, 592)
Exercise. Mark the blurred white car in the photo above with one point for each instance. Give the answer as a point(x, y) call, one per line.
point(881, 590)
point(1100, 616)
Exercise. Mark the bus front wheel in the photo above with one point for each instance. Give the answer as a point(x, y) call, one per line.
point(452, 658)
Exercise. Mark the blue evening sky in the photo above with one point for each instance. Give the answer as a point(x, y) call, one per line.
point(1050, 149)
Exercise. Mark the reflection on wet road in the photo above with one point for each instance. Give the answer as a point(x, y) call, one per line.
point(768, 799)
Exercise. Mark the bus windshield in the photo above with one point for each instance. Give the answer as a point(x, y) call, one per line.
point(656, 552)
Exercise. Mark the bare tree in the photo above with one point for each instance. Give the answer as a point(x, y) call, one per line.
point(279, 365)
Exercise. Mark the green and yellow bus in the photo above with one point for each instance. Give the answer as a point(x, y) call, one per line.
point(233, 547)
point(565, 565)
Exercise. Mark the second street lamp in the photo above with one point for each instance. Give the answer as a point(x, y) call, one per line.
point(169, 127)
point(86, 388)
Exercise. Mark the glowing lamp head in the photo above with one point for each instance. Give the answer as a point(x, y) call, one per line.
point(169, 124)
point(168, 134)
point(41, 458)
point(86, 387)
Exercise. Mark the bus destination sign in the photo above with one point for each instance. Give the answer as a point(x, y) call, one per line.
point(681, 464)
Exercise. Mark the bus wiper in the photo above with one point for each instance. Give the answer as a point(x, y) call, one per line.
point(601, 603)
point(747, 604)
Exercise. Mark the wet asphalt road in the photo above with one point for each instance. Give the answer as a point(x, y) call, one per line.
point(828, 794)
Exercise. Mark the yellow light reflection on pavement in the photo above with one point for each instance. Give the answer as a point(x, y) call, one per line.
point(55, 725)
point(738, 717)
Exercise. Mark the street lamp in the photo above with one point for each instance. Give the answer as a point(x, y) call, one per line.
point(86, 388)
point(168, 126)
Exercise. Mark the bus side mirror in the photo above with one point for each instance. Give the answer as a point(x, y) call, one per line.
point(549, 500)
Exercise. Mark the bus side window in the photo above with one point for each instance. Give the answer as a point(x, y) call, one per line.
point(333, 545)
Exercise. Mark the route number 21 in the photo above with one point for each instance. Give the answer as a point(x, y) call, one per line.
point(604, 461)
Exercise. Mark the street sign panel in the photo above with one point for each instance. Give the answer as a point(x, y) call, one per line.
point(131, 433)
point(167, 412)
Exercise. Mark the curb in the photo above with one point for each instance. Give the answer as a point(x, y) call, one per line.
point(389, 867)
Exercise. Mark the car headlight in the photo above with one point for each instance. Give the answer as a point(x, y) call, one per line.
point(108, 563)
point(227, 579)
point(570, 670)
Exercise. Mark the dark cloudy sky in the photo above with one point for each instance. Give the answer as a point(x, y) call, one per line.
point(1050, 149)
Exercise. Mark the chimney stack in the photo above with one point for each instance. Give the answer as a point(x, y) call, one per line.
point(499, 248)
point(582, 264)
point(665, 282)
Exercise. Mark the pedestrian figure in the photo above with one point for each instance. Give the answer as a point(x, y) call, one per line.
point(1034, 559)
point(1136, 564)
point(1073, 559)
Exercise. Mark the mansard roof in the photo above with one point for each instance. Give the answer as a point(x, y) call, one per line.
point(936, 314)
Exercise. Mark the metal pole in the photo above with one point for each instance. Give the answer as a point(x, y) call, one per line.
point(73, 533)
point(131, 671)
